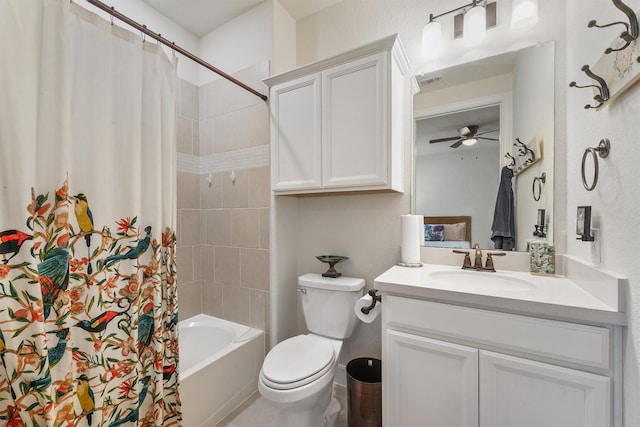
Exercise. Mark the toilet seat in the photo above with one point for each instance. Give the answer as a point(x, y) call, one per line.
point(297, 361)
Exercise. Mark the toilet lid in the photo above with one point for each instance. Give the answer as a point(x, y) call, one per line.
point(297, 361)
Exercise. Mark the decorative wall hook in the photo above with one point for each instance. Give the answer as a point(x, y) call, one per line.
point(524, 150)
point(602, 150)
point(631, 29)
point(603, 89)
point(512, 160)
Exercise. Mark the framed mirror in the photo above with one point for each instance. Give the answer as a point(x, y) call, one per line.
point(484, 130)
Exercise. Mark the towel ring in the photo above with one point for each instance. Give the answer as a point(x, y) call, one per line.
point(601, 150)
point(540, 180)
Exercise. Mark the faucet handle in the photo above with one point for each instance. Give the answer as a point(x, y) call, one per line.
point(489, 263)
point(466, 264)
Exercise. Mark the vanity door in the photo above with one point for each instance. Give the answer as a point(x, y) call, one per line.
point(516, 392)
point(429, 382)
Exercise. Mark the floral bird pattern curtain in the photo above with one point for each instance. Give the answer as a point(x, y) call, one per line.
point(88, 299)
point(83, 341)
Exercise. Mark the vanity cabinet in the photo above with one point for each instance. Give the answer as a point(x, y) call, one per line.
point(341, 124)
point(448, 365)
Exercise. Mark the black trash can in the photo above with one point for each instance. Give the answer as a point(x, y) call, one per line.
point(364, 392)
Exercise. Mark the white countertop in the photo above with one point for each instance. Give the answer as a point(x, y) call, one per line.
point(550, 297)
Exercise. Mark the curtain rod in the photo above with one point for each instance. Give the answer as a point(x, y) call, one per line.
point(143, 28)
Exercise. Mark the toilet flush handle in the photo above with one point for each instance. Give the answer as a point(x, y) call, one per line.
point(303, 291)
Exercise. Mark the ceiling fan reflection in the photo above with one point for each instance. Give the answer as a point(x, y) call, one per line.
point(468, 135)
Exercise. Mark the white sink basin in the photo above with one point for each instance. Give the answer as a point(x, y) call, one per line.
point(481, 279)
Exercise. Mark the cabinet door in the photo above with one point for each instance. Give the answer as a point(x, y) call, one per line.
point(523, 393)
point(429, 383)
point(296, 134)
point(355, 123)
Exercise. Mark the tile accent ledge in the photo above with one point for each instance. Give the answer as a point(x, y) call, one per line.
point(245, 158)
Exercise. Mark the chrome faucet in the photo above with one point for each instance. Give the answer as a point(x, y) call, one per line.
point(477, 264)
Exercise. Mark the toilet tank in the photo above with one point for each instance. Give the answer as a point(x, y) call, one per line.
point(328, 304)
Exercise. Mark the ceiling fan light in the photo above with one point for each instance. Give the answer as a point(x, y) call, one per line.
point(469, 141)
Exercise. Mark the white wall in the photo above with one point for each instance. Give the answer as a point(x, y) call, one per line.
point(463, 92)
point(238, 44)
point(369, 226)
point(461, 182)
point(615, 204)
point(615, 201)
point(353, 23)
point(284, 39)
point(533, 94)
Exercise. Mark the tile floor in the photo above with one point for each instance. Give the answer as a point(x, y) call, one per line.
point(256, 411)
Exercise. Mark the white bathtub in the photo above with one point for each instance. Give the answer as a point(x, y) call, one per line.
point(219, 366)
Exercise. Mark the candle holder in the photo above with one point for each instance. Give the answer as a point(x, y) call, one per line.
point(332, 260)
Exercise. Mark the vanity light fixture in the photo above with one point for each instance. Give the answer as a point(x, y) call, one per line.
point(524, 14)
point(432, 38)
point(474, 20)
point(477, 17)
point(475, 23)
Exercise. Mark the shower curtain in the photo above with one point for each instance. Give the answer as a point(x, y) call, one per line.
point(88, 306)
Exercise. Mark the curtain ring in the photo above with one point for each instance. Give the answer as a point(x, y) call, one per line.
point(540, 180)
point(601, 150)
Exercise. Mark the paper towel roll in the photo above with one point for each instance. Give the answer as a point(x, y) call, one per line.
point(411, 225)
point(366, 301)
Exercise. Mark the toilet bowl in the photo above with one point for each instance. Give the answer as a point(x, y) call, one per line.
point(297, 374)
point(297, 378)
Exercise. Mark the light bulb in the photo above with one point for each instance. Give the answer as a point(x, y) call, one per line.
point(475, 23)
point(524, 14)
point(432, 39)
point(469, 141)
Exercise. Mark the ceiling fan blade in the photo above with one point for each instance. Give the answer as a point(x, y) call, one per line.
point(489, 131)
point(457, 144)
point(433, 141)
point(488, 139)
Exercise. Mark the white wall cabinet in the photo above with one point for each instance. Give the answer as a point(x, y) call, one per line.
point(341, 124)
point(296, 134)
point(438, 372)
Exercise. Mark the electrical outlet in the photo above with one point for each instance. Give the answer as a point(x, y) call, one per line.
point(595, 246)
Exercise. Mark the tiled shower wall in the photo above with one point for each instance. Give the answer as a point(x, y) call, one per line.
point(223, 200)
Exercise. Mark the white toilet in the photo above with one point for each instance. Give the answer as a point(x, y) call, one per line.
point(297, 374)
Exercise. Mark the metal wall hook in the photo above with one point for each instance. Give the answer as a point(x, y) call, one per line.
point(512, 159)
point(602, 150)
point(525, 151)
point(375, 300)
point(542, 179)
point(603, 89)
point(631, 31)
